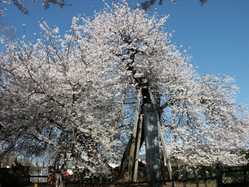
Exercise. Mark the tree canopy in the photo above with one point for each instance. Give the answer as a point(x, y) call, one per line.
point(78, 93)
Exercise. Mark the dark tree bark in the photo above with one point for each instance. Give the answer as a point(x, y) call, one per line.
point(152, 142)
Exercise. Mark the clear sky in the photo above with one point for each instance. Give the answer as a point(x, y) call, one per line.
point(216, 35)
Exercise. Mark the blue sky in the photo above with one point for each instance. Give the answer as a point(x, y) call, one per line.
point(215, 35)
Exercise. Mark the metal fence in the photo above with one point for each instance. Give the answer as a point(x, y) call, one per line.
point(219, 176)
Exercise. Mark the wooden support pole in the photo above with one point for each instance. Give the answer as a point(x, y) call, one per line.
point(138, 141)
point(124, 161)
point(135, 142)
point(165, 154)
point(131, 157)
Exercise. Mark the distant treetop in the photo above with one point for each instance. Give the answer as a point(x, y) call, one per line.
point(22, 7)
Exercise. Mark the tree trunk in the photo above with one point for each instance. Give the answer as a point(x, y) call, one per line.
point(146, 128)
point(152, 142)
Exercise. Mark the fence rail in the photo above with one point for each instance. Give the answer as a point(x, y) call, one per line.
point(219, 176)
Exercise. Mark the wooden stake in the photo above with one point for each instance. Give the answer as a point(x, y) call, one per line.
point(139, 134)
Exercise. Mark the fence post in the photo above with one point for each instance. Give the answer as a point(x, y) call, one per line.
point(196, 178)
point(244, 173)
point(185, 177)
point(173, 183)
point(219, 175)
point(206, 179)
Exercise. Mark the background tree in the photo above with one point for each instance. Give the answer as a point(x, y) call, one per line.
point(20, 5)
point(149, 3)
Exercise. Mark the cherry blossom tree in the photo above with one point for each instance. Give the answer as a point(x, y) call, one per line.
point(44, 96)
point(113, 77)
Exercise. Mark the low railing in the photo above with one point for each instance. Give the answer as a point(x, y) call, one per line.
point(219, 176)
